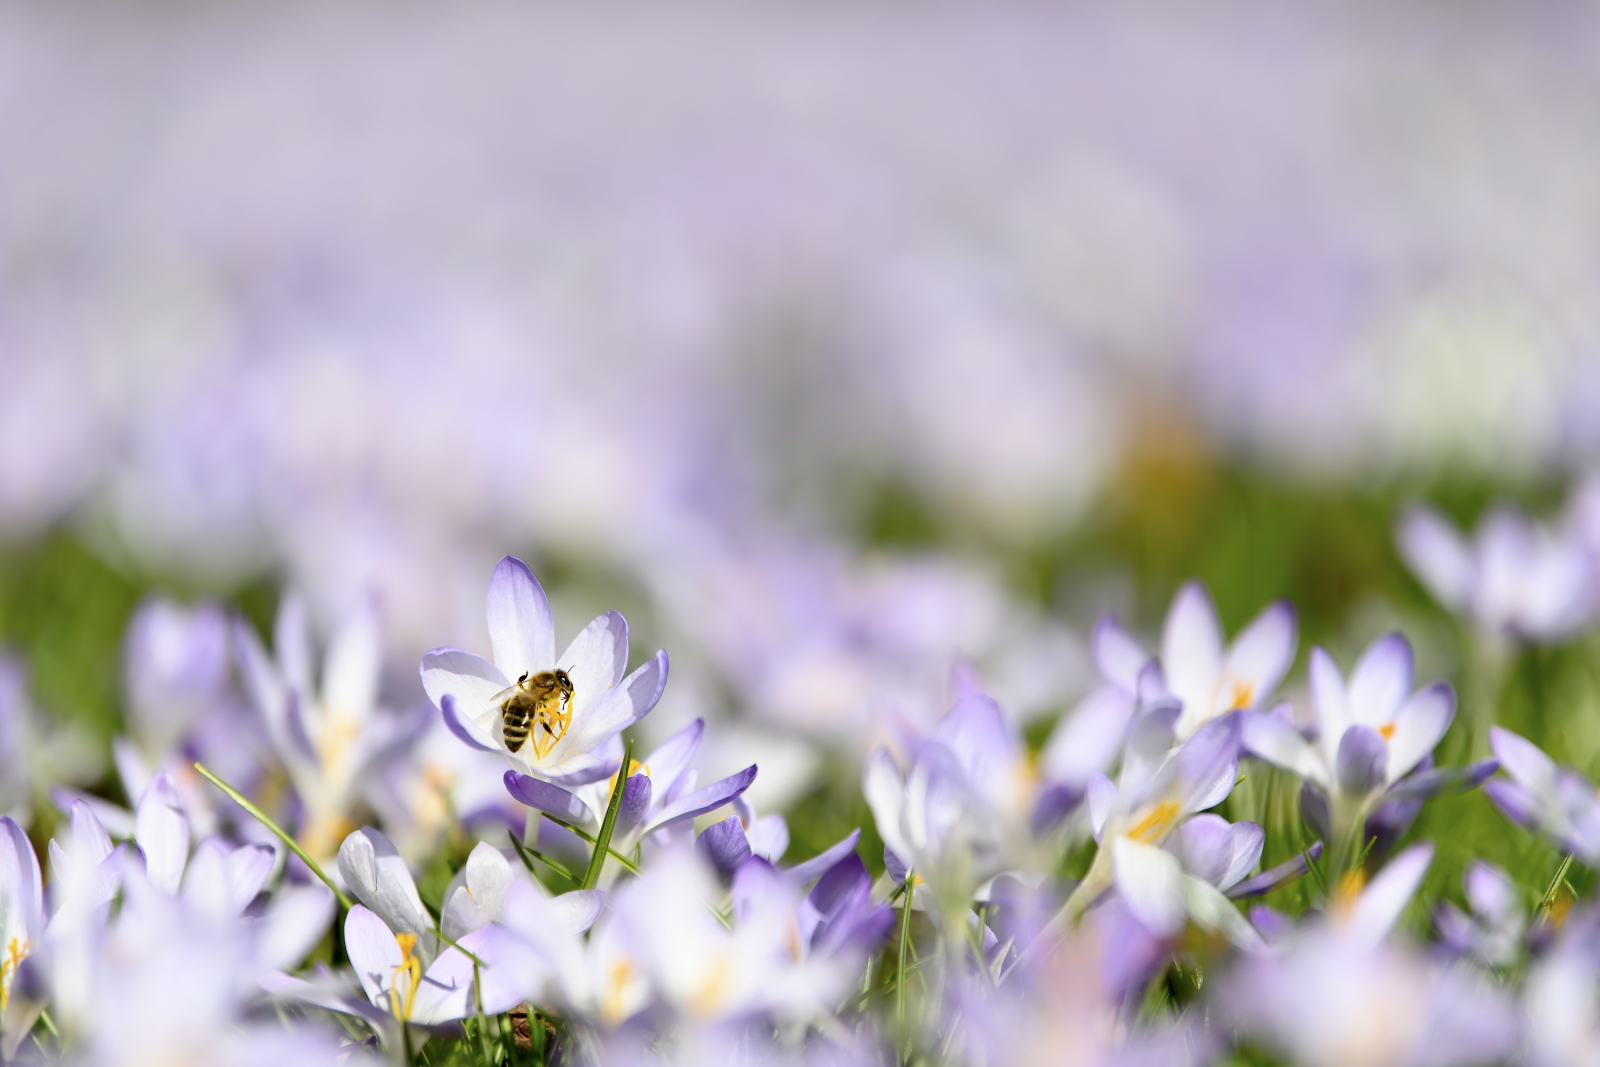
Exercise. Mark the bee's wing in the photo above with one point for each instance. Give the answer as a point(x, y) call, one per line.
point(504, 695)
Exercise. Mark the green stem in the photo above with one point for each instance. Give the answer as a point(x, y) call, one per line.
point(602, 845)
point(1549, 900)
point(289, 842)
point(405, 1044)
point(528, 855)
point(905, 941)
point(629, 865)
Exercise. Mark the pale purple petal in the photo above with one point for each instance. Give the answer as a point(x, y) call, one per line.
point(1191, 648)
point(1088, 738)
point(162, 832)
point(1269, 738)
point(1314, 810)
point(1247, 839)
point(1438, 555)
point(296, 919)
point(768, 836)
point(1380, 905)
point(1522, 759)
point(1381, 681)
point(1151, 884)
point(1420, 726)
point(1263, 650)
point(291, 639)
point(551, 798)
point(354, 662)
point(1207, 764)
point(248, 869)
point(1363, 758)
point(672, 757)
point(598, 722)
point(598, 657)
point(576, 911)
point(1282, 874)
point(445, 992)
point(1100, 794)
point(375, 872)
point(1119, 657)
point(521, 630)
point(20, 882)
point(1204, 844)
point(1422, 784)
point(1515, 801)
point(1330, 703)
point(703, 800)
point(473, 683)
point(468, 733)
point(373, 953)
point(885, 793)
point(807, 870)
point(1490, 890)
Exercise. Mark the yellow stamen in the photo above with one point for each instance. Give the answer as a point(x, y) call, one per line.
point(1343, 899)
point(405, 980)
point(1387, 730)
point(634, 767)
point(16, 951)
point(1241, 694)
point(710, 995)
point(618, 978)
point(1156, 823)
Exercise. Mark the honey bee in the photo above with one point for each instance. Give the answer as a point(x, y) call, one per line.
point(540, 706)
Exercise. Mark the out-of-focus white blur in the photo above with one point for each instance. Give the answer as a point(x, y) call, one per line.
point(370, 293)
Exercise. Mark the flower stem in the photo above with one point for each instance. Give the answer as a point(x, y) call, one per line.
point(602, 845)
point(905, 942)
point(629, 865)
point(289, 842)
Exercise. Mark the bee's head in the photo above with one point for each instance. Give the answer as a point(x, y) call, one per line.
point(564, 680)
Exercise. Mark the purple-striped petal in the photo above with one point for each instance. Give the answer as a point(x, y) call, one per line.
point(550, 798)
point(1363, 759)
point(1282, 874)
point(703, 800)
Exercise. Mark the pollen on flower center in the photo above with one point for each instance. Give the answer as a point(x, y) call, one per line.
point(1240, 694)
point(634, 767)
point(1156, 822)
point(709, 996)
point(406, 978)
point(1345, 893)
point(1387, 730)
point(618, 977)
point(17, 950)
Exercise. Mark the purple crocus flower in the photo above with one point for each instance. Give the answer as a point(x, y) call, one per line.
point(1493, 929)
point(1513, 580)
point(1208, 676)
point(22, 926)
point(599, 704)
point(1555, 801)
point(660, 792)
point(1370, 735)
point(1339, 995)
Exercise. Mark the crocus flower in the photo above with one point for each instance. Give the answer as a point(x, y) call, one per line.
point(592, 707)
point(1513, 580)
point(1158, 790)
point(22, 927)
point(1340, 996)
point(1369, 735)
point(644, 811)
point(326, 735)
point(1555, 801)
point(1493, 929)
point(1561, 997)
point(1208, 676)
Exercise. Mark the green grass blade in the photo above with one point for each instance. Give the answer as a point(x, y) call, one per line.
point(261, 817)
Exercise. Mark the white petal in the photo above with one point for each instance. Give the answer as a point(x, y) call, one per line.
point(1119, 657)
point(521, 631)
point(598, 656)
point(1213, 911)
point(1270, 738)
point(373, 952)
point(1381, 681)
point(1383, 901)
point(350, 677)
point(487, 876)
point(1420, 726)
point(885, 792)
point(1438, 555)
point(163, 834)
point(1101, 795)
point(1151, 882)
point(291, 639)
point(1086, 740)
point(1191, 650)
point(1329, 702)
point(1523, 760)
point(1263, 650)
point(472, 680)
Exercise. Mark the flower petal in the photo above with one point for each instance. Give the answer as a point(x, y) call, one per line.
point(296, 919)
point(374, 871)
point(1329, 702)
point(373, 953)
point(703, 800)
point(1213, 911)
point(291, 639)
point(1263, 650)
point(1438, 555)
point(1380, 905)
point(596, 723)
point(672, 756)
point(1088, 739)
point(467, 732)
point(1119, 657)
point(817, 865)
point(472, 680)
point(162, 832)
point(1381, 681)
point(1151, 884)
point(1269, 738)
point(1522, 759)
point(1283, 873)
point(1362, 762)
point(1191, 649)
point(521, 630)
point(249, 866)
point(635, 802)
point(1419, 727)
point(598, 657)
point(576, 911)
point(355, 659)
point(885, 792)
point(551, 798)
point(20, 881)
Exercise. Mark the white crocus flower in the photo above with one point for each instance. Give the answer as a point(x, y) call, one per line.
point(570, 705)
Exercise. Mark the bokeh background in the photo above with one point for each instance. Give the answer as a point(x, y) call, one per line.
point(832, 343)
